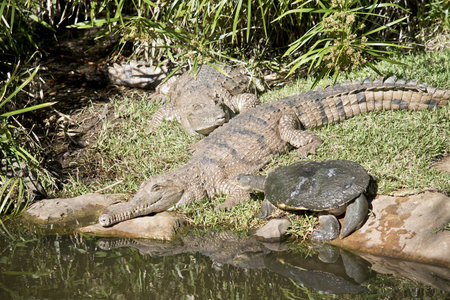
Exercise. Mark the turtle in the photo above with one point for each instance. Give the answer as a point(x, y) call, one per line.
point(328, 187)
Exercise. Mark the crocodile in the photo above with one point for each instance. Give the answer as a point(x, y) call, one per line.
point(139, 74)
point(206, 101)
point(251, 139)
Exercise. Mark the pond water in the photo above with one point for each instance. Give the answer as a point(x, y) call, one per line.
point(200, 265)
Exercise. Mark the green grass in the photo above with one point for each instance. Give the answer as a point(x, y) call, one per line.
point(396, 147)
point(206, 214)
point(126, 151)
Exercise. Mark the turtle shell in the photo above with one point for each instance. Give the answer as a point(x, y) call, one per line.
point(316, 185)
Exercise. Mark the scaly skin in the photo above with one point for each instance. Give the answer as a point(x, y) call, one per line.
point(207, 101)
point(251, 139)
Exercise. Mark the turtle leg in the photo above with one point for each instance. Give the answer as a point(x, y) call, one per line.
point(355, 215)
point(267, 209)
point(328, 230)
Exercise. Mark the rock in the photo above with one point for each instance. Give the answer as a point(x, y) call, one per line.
point(431, 275)
point(405, 227)
point(85, 208)
point(443, 164)
point(273, 230)
point(161, 226)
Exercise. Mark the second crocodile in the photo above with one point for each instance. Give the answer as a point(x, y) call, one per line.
point(206, 101)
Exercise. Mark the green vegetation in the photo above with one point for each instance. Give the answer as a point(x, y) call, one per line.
point(19, 49)
point(21, 27)
point(15, 157)
point(282, 36)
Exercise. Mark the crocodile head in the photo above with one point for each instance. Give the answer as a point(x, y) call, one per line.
point(203, 118)
point(155, 195)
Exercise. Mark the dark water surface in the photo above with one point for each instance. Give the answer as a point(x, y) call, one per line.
point(214, 265)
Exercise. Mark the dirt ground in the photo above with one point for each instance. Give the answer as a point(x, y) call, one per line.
point(74, 74)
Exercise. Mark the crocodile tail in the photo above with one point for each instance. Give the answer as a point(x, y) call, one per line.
point(344, 101)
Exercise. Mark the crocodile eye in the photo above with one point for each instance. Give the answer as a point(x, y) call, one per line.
point(155, 188)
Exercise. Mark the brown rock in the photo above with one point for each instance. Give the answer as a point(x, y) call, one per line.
point(161, 226)
point(273, 230)
point(431, 275)
point(85, 207)
point(405, 227)
point(443, 164)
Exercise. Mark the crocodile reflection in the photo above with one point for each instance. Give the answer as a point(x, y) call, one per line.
point(328, 269)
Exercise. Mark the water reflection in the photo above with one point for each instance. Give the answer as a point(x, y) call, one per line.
point(206, 265)
point(324, 268)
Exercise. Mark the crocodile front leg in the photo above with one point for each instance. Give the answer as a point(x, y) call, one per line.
point(235, 196)
point(166, 112)
point(291, 132)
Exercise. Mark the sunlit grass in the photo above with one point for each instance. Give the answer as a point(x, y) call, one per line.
point(241, 217)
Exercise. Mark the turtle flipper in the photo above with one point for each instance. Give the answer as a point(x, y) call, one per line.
point(354, 215)
point(329, 229)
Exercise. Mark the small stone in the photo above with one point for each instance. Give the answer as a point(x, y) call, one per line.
point(273, 230)
point(443, 164)
point(328, 230)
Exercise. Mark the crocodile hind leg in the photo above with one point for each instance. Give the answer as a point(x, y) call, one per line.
point(243, 102)
point(290, 131)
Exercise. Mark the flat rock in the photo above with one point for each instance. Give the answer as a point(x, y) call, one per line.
point(431, 275)
point(89, 206)
point(273, 230)
point(405, 227)
point(161, 226)
point(443, 164)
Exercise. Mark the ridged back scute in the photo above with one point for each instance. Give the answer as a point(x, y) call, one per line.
point(248, 141)
point(343, 101)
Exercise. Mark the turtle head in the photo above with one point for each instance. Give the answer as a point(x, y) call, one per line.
point(250, 182)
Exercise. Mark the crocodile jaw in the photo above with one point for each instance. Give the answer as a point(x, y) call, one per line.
point(151, 197)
